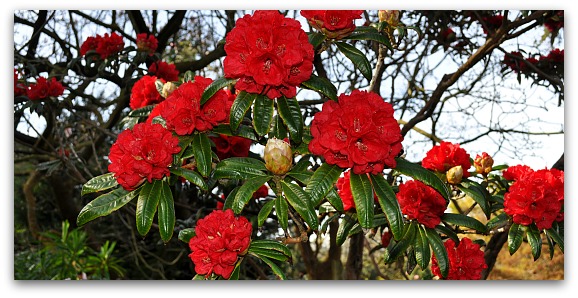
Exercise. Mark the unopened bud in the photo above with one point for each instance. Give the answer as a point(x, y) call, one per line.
point(168, 88)
point(391, 17)
point(483, 163)
point(455, 174)
point(278, 156)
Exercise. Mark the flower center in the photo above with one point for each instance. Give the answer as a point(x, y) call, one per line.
point(280, 50)
point(334, 20)
point(294, 71)
point(361, 146)
point(260, 43)
point(340, 135)
point(267, 66)
point(356, 125)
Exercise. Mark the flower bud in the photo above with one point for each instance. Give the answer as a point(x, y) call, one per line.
point(278, 156)
point(386, 238)
point(391, 17)
point(454, 175)
point(168, 88)
point(483, 163)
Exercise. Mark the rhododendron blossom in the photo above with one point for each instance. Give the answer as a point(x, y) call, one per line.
point(556, 22)
point(269, 54)
point(357, 132)
point(466, 261)
point(44, 88)
point(492, 23)
point(220, 238)
point(144, 92)
point(335, 24)
point(344, 190)
point(421, 202)
point(262, 192)
point(143, 153)
point(146, 43)
point(105, 46)
point(231, 146)
point(165, 71)
point(445, 156)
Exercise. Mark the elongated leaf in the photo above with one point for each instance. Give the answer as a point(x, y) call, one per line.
point(419, 173)
point(448, 232)
point(279, 130)
point(214, 87)
point(290, 112)
point(184, 142)
point(166, 215)
point(363, 197)
point(322, 181)
point(191, 176)
point(357, 57)
point(316, 38)
point(334, 199)
point(478, 194)
point(240, 106)
point(186, 235)
point(203, 153)
point(301, 201)
point(99, 183)
point(464, 221)
point(421, 248)
point(230, 199)
point(347, 223)
point(374, 36)
point(500, 220)
point(240, 168)
point(321, 85)
point(235, 274)
point(271, 254)
point(327, 221)
point(272, 245)
point(535, 241)
point(105, 204)
point(146, 206)
point(556, 237)
point(439, 251)
point(276, 270)
point(282, 211)
point(515, 237)
point(264, 212)
point(388, 202)
point(550, 245)
point(247, 132)
point(393, 252)
point(262, 114)
point(245, 192)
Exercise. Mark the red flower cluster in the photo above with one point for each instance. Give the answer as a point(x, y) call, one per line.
point(553, 63)
point(269, 54)
point(445, 156)
point(144, 93)
point(448, 35)
point(231, 146)
point(262, 192)
point(219, 239)
point(535, 196)
point(421, 202)
point(44, 88)
point(357, 132)
point(105, 46)
point(554, 24)
point(182, 110)
point(145, 152)
point(146, 43)
point(344, 190)
point(19, 88)
point(466, 261)
point(492, 23)
point(335, 24)
point(164, 71)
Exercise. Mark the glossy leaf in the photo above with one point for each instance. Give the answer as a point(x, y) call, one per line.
point(244, 131)
point(290, 112)
point(246, 191)
point(262, 114)
point(374, 36)
point(282, 211)
point(535, 241)
point(240, 168)
point(498, 221)
point(419, 173)
point(203, 153)
point(214, 87)
point(515, 237)
point(316, 38)
point(388, 202)
point(347, 223)
point(393, 252)
point(99, 183)
point(322, 181)
point(230, 199)
point(240, 106)
point(357, 57)
point(272, 245)
point(264, 212)
point(146, 207)
point(105, 204)
point(439, 251)
point(191, 176)
point(421, 248)
point(235, 274)
point(334, 199)
point(478, 194)
point(363, 197)
point(184, 142)
point(276, 270)
point(321, 85)
point(279, 130)
point(464, 221)
point(556, 237)
point(271, 254)
point(166, 213)
point(186, 235)
point(301, 201)
point(448, 232)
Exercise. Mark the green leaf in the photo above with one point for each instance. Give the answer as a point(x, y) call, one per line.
point(264, 212)
point(188, 76)
point(363, 197)
point(244, 131)
point(357, 57)
point(214, 87)
point(421, 247)
point(262, 114)
point(334, 199)
point(159, 85)
point(464, 221)
point(301, 201)
point(282, 211)
point(316, 38)
point(184, 142)
point(439, 251)
point(419, 173)
point(290, 112)
point(374, 36)
point(272, 245)
point(347, 223)
point(276, 270)
point(271, 254)
point(246, 191)
point(478, 193)
point(99, 183)
point(191, 176)
point(393, 252)
point(240, 106)
point(500, 220)
point(186, 235)
point(105, 204)
point(203, 153)
point(146, 206)
point(235, 274)
point(321, 85)
point(166, 216)
point(279, 130)
point(388, 202)
point(322, 181)
point(515, 237)
point(230, 199)
point(556, 237)
point(448, 232)
point(535, 241)
point(240, 168)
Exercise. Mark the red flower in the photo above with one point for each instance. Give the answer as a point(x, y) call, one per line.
point(448, 35)
point(518, 65)
point(386, 238)
point(269, 54)
point(344, 191)
point(536, 197)
point(44, 88)
point(109, 45)
point(19, 88)
point(231, 146)
point(145, 152)
point(335, 24)
point(91, 43)
point(262, 192)
point(445, 156)
point(466, 261)
point(219, 239)
point(556, 22)
point(164, 71)
point(357, 132)
point(146, 43)
point(144, 92)
point(516, 172)
point(421, 202)
point(555, 56)
point(183, 113)
point(493, 23)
